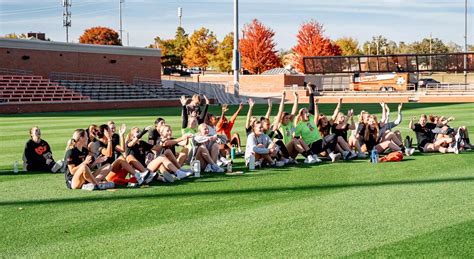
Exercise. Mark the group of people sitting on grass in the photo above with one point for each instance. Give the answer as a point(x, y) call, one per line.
point(100, 158)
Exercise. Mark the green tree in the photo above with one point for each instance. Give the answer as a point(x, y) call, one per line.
point(202, 46)
point(453, 47)
point(423, 47)
point(470, 47)
point(349, 46)
point(378, 46)
point(172, 49)
point(403, 48)
point(222, 60)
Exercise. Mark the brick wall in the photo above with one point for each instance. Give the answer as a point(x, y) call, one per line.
point(42, 58)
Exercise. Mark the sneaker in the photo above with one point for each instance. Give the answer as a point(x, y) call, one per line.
point(285, 160)
point(334, 157)
point(208, 168)
point(292, 161)
point(88, 187)
point(186, 170)
point(345, 155)
point(170, 178)
point(361, 155)
point(353, 155)
point(310, 160)
point(409, 151)
point(258, 164)
point(219, 162)
point(132, 185)
point(150, 178)
point(224, 161)
point(105, 186)
point(217, 169)
point(317, 159)
point(57, 166)
point(182, 174)
point(142, 176)
point(279, 163)
point(456, 149)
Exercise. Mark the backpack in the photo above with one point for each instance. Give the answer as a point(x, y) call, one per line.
point(393, 157)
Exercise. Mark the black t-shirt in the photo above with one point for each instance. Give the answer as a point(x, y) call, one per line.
point(361, 129)
point(340, 132)
point(163, 148)
point(115, 143)
point(424, 134)
point(154, 135)
point(193, 108)
point(139, 150)
point(36, 155)
point(372, 141)
point(75, 157)
point(97, 151)
point(324, 130)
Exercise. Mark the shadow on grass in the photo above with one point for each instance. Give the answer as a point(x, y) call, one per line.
point(236, 192)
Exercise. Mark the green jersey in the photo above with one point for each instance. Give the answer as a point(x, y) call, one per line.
point(308, 130)
point(287, 132)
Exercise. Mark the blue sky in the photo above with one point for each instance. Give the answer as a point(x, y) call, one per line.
point(398, 20)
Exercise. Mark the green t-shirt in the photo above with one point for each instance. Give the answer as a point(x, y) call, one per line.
point(192, 131)
point(287, 132)
point(308, 130)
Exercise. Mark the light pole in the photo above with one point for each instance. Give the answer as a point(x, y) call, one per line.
point(465, 43)
point(67, 17)
point(120, 13)
point(180, 15)
point(236, 55)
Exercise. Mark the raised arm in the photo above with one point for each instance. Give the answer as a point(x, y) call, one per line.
point(108, 151)
point(121, 147)
point(225, 108)
point(316, 112)
point(384, 113)
point(309, 86)
point(269, 111)
point(294, 110)
point(411, 125)
point(203, 114)
point(249, 113)
point(234, 116)
point(350, 114)
point(184, 111)
point(336, 111)
point(399, 115)
point(281, 107)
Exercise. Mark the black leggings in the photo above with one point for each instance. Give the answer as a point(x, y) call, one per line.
point(283, 149)
point(329, 142)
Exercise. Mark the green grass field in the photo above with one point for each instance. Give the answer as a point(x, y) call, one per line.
point(420, 207)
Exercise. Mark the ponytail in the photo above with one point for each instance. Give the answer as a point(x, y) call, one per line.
point(70, 144)
point(78, 133)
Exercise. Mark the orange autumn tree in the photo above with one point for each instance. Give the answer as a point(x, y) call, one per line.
point(101, 36)
point(311, 42)
point(257, 48)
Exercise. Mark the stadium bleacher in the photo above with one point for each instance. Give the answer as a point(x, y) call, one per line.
point(118, 90)
point(29, 88)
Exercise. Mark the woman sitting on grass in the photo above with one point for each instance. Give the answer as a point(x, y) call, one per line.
point(285, 126)
point(105, 146)
point(261, 147)
point(136, 155)
point(79, 164)
point(386, 127)
point(206, 150)
point(168, 143)
point(372, 137)
point(425, 135)
point(225, 126)
point(37, 155)
point(306, 128)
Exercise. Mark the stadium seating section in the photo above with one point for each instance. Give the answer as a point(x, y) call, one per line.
point(118, 90)
point(28, 88)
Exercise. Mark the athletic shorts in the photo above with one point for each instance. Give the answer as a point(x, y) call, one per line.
point(422, 144)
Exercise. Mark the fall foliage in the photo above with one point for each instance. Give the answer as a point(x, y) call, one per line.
point(101, 36)
point(349, 46)
point(222, 60)
point(173, 49)
point(202, 46)
point(257, 48)
point(311, 42)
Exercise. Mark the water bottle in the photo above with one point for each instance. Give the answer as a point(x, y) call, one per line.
point(374, 156)
point(229, 167)
point(15, 167)
point(196, 168)
point(232, 152)
point(252, 162)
